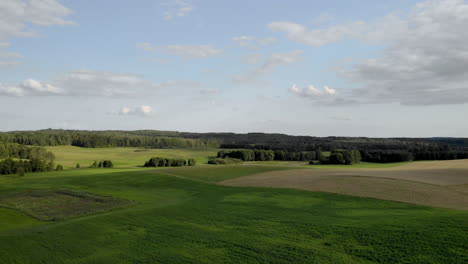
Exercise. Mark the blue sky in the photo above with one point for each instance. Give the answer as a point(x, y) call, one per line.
point(323, 68)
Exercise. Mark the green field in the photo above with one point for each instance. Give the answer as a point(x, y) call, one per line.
point(68, 156)
point(178, 215)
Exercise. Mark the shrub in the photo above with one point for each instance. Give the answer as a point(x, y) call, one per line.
point(165, 162)
point(59, 167)
point(225, 161)
point(101, 164)
point(77, 165)
point(191, 162)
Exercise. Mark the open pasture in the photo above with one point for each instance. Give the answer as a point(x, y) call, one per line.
point(177, 220)
point(433, 183)
point(69, 156)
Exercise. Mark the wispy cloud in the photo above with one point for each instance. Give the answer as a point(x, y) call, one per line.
point(90, 83)
point(252, 41)
point(143, 111)
point(184, 51)
point(269, 64)
point(177, 8)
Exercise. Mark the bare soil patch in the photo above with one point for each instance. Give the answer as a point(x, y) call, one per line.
point(51, 205)
point(422, 183)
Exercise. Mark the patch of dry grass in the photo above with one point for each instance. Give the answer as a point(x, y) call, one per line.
point(424, 183)
point(51, 205)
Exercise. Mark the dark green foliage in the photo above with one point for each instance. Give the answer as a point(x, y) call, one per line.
point(224, 161)
point(78, 166)
point(102, 164)
point(336, 158)
point(342, 157)
point(100, 139)
point(165, 162)
point(59, 167)
point(191, 162)
point(386, 156)
point(9, 166)
point(11, 150)
point(295, 155)
point(248, 154)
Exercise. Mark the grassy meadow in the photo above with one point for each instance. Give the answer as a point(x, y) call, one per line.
point(68, 156)
point(178, 215)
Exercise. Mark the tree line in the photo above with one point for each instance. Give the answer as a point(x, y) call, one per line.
point(166, 162)
point(102, 139)
point(386, 156)
point(248, 154)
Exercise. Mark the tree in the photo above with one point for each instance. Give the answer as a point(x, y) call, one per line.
point(59, 167)
point(191, 162)
point(77, 165)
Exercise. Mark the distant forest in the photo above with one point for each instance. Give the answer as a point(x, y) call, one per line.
point(286, 146)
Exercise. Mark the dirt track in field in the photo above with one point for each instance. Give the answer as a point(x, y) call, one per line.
point(435, 183)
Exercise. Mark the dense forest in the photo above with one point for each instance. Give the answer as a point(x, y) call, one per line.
point(284, 147)
point(102, 139)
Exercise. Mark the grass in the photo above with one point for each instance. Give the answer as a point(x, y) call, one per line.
point(216, 173)
point(305, 164)
point(180, 216)
point(179, 220)
point(69, 156)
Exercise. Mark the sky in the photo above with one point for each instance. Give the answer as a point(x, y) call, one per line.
point(303, 67)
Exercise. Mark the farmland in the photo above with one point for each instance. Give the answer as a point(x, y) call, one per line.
point(187, 215)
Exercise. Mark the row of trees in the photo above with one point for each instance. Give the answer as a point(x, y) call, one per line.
point(99, 139)
point(100, 164)
point(10, 166)
point(165, 162)
point(297, 155)
point(248, 154)
point(382, 156)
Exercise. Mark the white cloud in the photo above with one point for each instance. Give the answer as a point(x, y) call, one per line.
point(143, 110)
point(279, 59)
point(425, 57)
point(253, 42)
point(90, 83)
point(177, 8)
point(272, 62)
point(184, 51)
point(16, 15)
point(312, 92)
point(30, 87)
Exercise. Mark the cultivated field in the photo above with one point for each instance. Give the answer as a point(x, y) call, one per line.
point(434, 183)
point(131, 214)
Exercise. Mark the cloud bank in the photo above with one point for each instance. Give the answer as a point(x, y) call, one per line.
point(424, 61)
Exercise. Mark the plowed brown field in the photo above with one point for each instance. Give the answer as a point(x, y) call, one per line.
point(434, 183)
